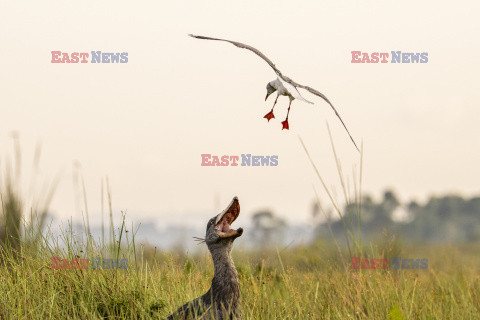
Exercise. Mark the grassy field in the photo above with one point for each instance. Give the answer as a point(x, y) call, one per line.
point(294, 283)
point(313, 281)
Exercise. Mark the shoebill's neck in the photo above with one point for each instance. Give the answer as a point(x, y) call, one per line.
point(225, 285)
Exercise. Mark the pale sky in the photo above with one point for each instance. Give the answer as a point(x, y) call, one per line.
point(144, 124)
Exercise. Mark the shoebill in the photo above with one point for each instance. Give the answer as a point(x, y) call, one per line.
point(222, 300)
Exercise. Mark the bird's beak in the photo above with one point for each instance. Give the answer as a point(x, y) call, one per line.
point(266, 97)
point(233, 206)
point(224, 220)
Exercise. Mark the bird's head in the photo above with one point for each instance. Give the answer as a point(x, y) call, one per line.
point(270, 89)
point(218, 227)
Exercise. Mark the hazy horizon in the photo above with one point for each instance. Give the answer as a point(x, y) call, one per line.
point(145, 123)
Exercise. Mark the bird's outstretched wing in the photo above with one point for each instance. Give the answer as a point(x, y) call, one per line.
point(285, 78)
point(244, 46)
point(321, 95)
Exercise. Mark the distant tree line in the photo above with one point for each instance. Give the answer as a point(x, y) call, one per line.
point(449, 218)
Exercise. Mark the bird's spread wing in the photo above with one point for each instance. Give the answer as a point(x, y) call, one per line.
point(321, 95)
point(284, 78)
point(244, 46)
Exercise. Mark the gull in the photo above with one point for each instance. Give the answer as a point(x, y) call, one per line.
point(283, 85)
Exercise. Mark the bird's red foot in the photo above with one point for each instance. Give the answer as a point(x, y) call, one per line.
point(269, 116)
point(285, 124)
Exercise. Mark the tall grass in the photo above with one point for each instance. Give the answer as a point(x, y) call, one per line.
point(22, 217)
point(289, 284)
point(352, 232)
point(305, 282)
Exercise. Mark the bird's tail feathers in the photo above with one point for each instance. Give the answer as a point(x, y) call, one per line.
point(304, 100)
point(298, 95)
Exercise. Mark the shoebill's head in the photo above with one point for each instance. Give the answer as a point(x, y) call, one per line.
point(219, 231)
point(271, 88)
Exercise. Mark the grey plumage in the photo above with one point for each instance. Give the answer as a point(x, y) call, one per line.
point(284, 78)
point(222, 300)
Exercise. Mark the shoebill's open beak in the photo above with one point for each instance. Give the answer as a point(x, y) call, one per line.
point(225, 218)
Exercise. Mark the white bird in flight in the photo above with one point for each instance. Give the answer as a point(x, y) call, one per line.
point(283, 85)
